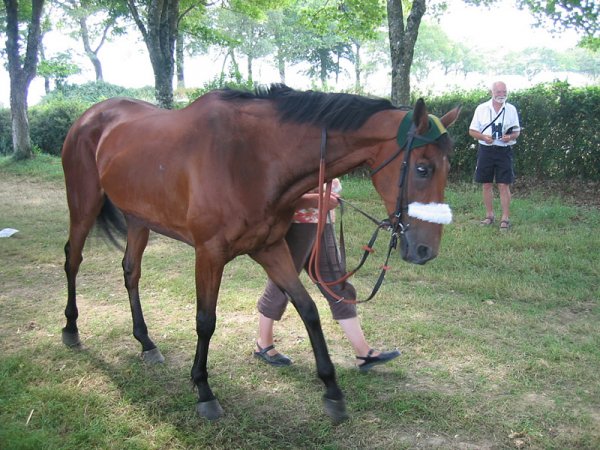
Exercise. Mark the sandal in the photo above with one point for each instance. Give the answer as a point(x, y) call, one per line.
point(487, 221)
point(504, 224)
point(277, 360)
point(372, 361)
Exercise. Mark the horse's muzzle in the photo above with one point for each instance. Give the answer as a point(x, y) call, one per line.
point(415, 253)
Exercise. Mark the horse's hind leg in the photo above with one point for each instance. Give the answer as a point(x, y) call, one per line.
point(85, 203)
point(137, 239)
point(70, 333)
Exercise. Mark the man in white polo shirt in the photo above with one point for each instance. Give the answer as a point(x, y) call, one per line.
point(495, 125)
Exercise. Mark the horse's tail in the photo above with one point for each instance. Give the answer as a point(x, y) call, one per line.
point(112, 223)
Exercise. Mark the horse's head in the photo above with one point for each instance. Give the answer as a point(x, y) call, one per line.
point(411, 178)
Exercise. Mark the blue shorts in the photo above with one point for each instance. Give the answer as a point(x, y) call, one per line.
point(494, 163)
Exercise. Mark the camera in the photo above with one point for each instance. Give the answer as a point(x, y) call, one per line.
point(497, 130)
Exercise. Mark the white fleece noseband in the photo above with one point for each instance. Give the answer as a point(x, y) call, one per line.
point(431, 212)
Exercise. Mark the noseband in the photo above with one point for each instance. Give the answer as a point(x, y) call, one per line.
point(407, 139)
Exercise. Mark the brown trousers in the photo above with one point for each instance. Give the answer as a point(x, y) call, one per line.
point(300, 239)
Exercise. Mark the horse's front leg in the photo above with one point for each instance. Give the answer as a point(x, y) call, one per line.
point(278, 264)
point(208, 281)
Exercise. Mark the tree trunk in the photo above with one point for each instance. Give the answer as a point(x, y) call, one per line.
point(323, 68)
point(357, 68)
point(91, 54)
point(250, 74)
point(21, 74)
point(281, 67)
point(402, 46)
point(46, 78)
point(20, 123)
point(180, 61)
point(160, 35)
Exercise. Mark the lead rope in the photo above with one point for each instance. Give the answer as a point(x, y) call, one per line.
point(314, 271)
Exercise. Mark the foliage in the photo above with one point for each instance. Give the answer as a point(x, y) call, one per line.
point(558, 15)
point(323, 33)
point(59, 68)
point(6, 146)
point(232, 81)
point(96, 91)
point(581, 15)
point(434, 48)
point(93, 22)
point(560, 137)
point(51, 120)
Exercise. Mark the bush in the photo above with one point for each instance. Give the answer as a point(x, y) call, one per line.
point(96, 91)
point(6, 146)
point(560, 135)
point(50, 121)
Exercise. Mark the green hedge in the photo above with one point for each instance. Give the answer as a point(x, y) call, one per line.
point(50, 120)
point(560, 137)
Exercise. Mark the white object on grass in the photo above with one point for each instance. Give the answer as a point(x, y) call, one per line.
point(7, 232)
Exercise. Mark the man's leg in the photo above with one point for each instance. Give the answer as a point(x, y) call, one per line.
point(488, 199)
point(505, 197)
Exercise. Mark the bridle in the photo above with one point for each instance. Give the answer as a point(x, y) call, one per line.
point(396, 223)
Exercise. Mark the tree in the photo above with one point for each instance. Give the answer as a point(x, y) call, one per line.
point(22, 72)
point(359, 22)
point(323, 33)
point(59, 68)
point(582, 16)
point(158, 22)
point(95, 21)
point(246, 35)
point(403, 37)
point(435, 48)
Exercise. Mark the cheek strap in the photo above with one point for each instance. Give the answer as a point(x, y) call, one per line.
point(431, 212)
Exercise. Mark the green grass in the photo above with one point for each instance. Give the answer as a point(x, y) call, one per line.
point(500, 338)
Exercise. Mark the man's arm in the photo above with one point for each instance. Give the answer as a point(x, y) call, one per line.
point(481, 137)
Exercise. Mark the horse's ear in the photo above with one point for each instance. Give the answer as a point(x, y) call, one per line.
point(420, 117)
point(450, 117)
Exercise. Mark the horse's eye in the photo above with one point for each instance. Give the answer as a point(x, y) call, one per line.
point(423, 171)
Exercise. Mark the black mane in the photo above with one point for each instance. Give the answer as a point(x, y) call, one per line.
point(334, 111)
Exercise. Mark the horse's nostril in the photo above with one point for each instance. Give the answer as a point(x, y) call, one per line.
point(424, 252)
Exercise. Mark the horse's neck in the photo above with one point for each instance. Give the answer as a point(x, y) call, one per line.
point(342, 155)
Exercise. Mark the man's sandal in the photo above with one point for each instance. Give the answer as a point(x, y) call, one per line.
point(504, 224)
point(277, 360)
point(371, 361)
point(487, 221)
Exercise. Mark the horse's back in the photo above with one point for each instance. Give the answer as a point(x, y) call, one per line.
point(85, 134)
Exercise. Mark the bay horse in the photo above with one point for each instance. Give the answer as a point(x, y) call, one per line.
point(223, 175)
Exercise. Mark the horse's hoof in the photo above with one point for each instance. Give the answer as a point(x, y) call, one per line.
point(71, 339)
point(336, 410)
point(210, 410)
point(153, 356)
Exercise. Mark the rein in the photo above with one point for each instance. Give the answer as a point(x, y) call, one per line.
point(407, 139)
